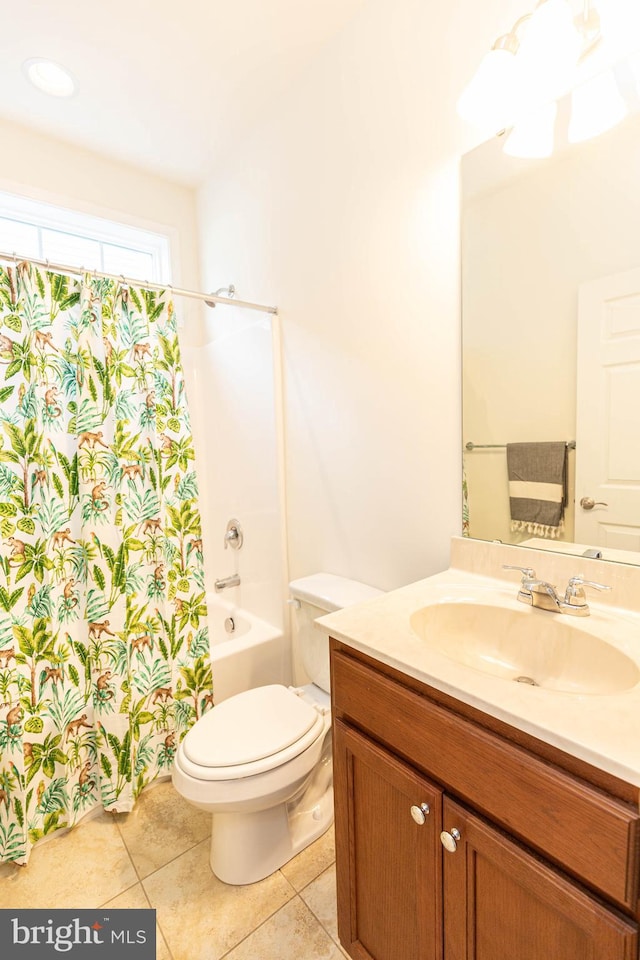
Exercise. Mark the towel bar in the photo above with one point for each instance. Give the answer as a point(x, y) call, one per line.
point(571, 445)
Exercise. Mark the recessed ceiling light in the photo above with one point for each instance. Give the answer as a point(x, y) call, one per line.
point(49, 77)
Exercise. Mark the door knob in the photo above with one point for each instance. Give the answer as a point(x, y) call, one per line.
point(420, 813)
point(449, 840)
point(588, 503)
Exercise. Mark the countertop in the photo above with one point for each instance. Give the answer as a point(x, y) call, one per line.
point(601, 729)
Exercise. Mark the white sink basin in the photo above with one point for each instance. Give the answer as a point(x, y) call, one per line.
point(527, 645)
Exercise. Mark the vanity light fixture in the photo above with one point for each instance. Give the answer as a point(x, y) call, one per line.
point(533, 135)
point(634, 64)
point(620, 22)
point(49, 77)
point(541, 59)
point(596, 105)
point(490, 100)
point(537, 63)
point(548, 53)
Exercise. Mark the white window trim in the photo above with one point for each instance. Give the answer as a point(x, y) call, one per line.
point(44, 215)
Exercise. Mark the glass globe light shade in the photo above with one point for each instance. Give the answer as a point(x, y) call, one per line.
point(548, 53)
point(488, 101)
point(620, 24)
point(596, 106)
point(533, 135)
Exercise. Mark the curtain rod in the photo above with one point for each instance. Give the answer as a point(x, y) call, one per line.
point(208, 298)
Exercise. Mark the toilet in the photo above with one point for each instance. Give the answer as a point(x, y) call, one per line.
point(260, 762)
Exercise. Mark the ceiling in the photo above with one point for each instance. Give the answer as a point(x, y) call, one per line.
point(162, 85)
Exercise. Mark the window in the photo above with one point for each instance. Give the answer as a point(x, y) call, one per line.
point(41, 231)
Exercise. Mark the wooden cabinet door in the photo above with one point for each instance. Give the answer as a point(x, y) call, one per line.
point(503, 903)
point(389, 867)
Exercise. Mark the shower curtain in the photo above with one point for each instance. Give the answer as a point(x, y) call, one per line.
point(104, 649)
point(466, 526)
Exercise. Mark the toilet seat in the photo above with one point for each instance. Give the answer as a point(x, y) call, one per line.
point(251, 733)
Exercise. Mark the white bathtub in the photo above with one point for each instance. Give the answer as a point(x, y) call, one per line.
point(255, 653)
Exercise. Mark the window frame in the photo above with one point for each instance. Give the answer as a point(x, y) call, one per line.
point(43, 215)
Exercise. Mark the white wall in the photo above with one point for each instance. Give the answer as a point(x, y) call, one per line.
point(342, 208)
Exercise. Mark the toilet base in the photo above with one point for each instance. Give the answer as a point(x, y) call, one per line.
point(248, 847)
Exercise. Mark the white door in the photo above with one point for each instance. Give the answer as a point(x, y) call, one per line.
point(608, 413)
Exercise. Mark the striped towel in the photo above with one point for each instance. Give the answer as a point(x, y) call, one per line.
point(537, 486)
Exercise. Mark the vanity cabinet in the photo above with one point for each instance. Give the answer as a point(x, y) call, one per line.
point(391, 859)
point(544, 859)
point(506, 903)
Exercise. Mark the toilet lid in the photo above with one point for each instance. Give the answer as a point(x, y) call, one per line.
point(251, 726)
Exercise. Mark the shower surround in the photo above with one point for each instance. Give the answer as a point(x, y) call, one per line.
point(233, 380)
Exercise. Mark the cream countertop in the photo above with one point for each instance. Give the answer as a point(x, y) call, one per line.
point(602, 729)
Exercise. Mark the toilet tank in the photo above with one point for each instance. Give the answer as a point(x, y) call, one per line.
point(314, 596)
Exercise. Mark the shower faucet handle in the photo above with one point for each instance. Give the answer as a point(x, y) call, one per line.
point(233, 537)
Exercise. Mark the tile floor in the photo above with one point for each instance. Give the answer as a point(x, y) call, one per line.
point(158, 856)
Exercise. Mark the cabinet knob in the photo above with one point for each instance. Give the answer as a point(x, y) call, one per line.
point(449, 840)
point(420, 813)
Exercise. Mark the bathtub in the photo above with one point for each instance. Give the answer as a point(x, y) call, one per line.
point(253, 653)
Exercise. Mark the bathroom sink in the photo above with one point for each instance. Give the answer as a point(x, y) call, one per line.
point(529, 646)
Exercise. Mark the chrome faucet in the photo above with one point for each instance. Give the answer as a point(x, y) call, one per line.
point(233, 537)
point(542, 594)
point(232, 581)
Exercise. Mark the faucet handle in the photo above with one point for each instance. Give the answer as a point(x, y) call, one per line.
point(576, 584)
point(528, 573)
point(233, 536)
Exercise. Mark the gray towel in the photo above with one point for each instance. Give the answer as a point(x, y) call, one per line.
point(537, 486)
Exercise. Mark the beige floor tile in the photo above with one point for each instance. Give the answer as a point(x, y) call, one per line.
point(132, 899)
point(136, 899)
point(312, 861)
point(201, 917)
point(293, 933)
point(161, 827)
point(320, 897)
point(87, 866)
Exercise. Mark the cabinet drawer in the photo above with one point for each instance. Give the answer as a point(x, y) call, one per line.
point(591, 835)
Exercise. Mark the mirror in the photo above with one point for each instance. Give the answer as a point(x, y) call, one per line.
point(540, 240)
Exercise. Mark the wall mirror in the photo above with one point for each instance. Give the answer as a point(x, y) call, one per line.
point(551, 329)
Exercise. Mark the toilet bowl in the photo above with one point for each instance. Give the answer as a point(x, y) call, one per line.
point(249, 789)
point(260, 761)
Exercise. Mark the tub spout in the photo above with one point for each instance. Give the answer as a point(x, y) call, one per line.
point(233, 581)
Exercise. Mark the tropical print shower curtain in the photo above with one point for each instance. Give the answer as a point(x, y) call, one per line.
point(466, 525)
point(104, 651)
